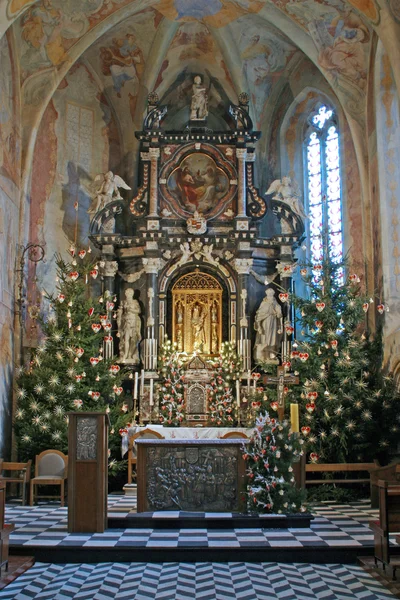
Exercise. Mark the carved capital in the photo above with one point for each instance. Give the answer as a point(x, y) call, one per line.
point(145, 155)
point(241, 153)
point(243, 265)
point(152, 265)
point(154, 153)
point(109, 268)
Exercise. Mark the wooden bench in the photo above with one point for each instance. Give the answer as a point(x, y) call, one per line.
point(390, 473)
point(389, 522)
point(5, 530)
point(338, 468)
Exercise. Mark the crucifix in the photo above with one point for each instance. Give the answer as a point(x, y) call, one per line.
point(282, 379)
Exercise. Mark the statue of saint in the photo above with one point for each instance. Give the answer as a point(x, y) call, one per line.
point(199, 333)
point(199, 104)
point(129, 326)
point(268, 325)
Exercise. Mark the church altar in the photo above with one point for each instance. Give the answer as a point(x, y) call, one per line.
point(206, 475)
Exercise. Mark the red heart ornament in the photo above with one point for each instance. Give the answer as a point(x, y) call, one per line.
point(286, 364)
point(107, 326)
point(304, 356)
point(96, 327)
point(103, 319)
point(274, 405)
point(108, 338)
point(310, 407)
point(94, 273)
point(334, 343)
point(95, 395)
point(365, 307)
point(61, 298)
point(90, 311)
point(380, 308)
point(78, 378)
point(79, 352)
point(118, 390)
point(305, 430)
point(94, 361)
point(78, 403)
point(320, 306)
point(82, 254)
point(73, 275)
point(283, 297)
point(319, 324)
point(114, 369)
point(314, 457)
point(303, 272)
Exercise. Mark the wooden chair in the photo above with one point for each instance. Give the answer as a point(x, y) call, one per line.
point(132, 457)
point(234, 434)
point(389, 522)
point(50, 469)
point(19, 472)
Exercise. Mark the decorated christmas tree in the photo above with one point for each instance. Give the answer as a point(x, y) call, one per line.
point(350, 409)
point(223, 387)
point(170, 388)
point(72, 368)
point(270, 456)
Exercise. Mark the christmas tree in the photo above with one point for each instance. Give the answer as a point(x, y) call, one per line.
point(270, 456)
point(350, 410)
point(222, 391)
point(72, 367)
point(170, 388)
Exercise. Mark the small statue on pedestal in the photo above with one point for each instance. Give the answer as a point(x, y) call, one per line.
point(268, 325)
point(288, 192)
point(129, 328)
point(199, 104)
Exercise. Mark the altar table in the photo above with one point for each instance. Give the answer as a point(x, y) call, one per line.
point(206, 475)
point(190, 433)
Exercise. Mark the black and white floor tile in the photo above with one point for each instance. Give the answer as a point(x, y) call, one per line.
point(205, 581)
point(333, 526)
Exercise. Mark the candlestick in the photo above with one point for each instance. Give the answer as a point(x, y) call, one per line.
point(135, 388)
point(294, 417)
point(151, 392)
point(238, 393)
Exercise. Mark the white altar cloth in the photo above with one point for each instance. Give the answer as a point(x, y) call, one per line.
point(190, 433)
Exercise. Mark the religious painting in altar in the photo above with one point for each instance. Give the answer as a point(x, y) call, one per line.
point(197, 180)
point(197, 313)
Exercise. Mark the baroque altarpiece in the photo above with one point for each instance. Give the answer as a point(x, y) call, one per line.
point(187, 252)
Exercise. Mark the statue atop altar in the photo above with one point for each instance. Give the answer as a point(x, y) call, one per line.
point(187, 249)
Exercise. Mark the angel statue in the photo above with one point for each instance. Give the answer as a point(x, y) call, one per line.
point(108, 190)
point(288, 192)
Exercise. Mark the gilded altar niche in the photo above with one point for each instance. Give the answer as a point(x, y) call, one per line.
point(197, 313)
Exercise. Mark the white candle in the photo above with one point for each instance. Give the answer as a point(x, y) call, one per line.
point(151, 392)
point(135, 389)
point(238, 393)
point(142, 383)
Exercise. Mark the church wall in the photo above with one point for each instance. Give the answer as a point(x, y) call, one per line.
point(9, 228)
point(77, 139)
point(388, 142)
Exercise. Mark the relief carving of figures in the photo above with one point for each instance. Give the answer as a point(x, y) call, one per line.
point(287, 191)
point(108, 190)
point(268, 327)
point(129, 328)
point(199, 104)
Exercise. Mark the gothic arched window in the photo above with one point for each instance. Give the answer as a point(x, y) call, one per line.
point(324, 189)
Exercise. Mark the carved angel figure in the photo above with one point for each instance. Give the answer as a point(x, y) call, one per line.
point(186, 254)
point(108, 190)
point(288, 192)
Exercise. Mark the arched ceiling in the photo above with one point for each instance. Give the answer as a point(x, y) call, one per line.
point(137, 46)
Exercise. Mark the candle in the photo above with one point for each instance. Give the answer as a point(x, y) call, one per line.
point(135, 389)
point(294, 417)
point(142, 383)
point(151, 392)
point(238, 393)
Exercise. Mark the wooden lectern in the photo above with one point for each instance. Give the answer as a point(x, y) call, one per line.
point(87, 472)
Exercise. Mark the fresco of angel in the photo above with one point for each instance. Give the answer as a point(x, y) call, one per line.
point(108, 190)
point(288, 192)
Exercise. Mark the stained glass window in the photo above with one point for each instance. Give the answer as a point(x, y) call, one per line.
point(324, 187)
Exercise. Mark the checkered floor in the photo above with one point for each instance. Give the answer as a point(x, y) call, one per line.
point(334, 526)
point(181, 581)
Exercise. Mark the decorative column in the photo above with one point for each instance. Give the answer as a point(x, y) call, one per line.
point(243, 266)
point(285, 267)
point(241, 217)
point(109, 269)
point(153, 200)
point(151, 267)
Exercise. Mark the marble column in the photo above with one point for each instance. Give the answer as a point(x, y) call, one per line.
point(242, 267)
point(151, 267)
point(153, 200)
point(241, 154)
point(109, 269)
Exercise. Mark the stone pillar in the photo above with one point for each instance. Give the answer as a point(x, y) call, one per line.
point(285, 268)
point(241, 154)
point(153, 200)
point(109, 269)
point(151, 267)
point(243, 266)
